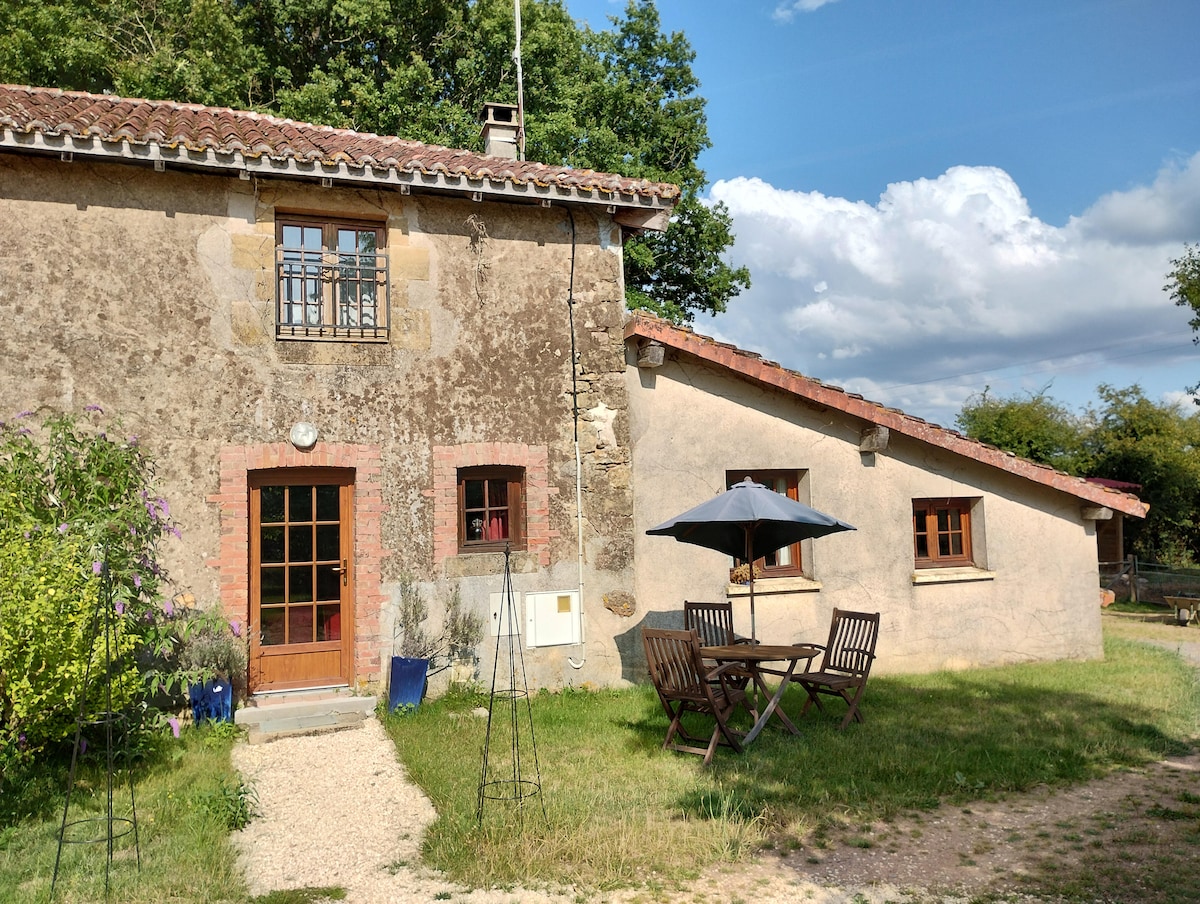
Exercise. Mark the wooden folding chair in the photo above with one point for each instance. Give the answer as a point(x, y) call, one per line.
point(845, 664)
point(713, 622)
point(684, 685)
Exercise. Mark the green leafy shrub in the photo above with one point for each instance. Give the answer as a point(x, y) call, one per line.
point(232, 803)
point(80, 527)
point(48, 604)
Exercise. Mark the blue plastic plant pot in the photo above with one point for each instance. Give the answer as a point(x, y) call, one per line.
point(212, 700)
point(407, 684)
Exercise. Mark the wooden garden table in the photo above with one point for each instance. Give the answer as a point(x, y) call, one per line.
point(755, 658)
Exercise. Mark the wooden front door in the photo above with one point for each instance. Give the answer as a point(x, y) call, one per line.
point(301, 578)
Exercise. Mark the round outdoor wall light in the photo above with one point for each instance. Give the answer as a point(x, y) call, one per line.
point(303, 435)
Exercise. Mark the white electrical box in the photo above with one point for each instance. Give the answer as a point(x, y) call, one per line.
point(552, 618)
point(505, 620)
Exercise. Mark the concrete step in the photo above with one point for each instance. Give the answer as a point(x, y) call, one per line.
point(299, 712)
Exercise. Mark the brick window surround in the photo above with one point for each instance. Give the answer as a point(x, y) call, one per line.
point(232, 563)
point(534, 459)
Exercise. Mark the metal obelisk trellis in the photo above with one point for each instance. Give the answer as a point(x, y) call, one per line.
point(104, 618)
point(505, 775)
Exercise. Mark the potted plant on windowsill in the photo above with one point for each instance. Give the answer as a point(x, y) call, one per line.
point(741, 574)
point(214, 656)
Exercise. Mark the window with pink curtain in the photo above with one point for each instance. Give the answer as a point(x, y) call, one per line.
point(490, 509)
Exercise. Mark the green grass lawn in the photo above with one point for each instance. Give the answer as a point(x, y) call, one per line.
point(620, 811)
point(1128, 607)
point(184, 794)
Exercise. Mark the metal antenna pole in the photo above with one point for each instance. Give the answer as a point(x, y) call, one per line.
point(504, 778)
point(520, 84)
point(104, 618)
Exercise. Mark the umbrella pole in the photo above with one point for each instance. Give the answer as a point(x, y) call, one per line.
point(750, 565)
point(753, 627)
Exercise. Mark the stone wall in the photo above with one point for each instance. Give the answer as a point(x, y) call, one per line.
point(152, 294)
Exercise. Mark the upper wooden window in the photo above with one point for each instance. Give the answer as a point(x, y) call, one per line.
point(491, 511)
point(331, 280)
point(784, 562)
point(941, 532)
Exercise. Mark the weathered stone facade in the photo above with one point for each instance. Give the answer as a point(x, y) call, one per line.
point(138, 271)
point(152, 294)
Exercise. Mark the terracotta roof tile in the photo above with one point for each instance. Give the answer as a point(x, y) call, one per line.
point(752, 367)
point(74, 114)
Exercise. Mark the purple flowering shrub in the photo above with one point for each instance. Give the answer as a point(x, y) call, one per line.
point(80, 530)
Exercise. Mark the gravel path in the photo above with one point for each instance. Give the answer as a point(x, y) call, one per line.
point(338, 809)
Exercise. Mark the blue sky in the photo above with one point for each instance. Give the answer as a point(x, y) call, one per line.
point(938, 196)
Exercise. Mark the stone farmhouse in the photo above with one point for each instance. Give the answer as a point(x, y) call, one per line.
point(363, 362)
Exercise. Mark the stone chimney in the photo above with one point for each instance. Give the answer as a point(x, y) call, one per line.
point(499, 130)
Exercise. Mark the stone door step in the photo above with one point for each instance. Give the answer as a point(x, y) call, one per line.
point(302, 712)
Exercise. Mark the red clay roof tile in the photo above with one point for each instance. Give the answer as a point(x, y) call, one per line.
point(52, 112)
point(751, 366)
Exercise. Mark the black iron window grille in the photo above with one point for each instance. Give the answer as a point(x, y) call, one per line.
point(332, 283)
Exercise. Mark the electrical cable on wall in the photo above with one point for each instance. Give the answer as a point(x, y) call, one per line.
point(578, 459)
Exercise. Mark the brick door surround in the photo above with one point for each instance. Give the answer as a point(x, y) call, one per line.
point(232, 561)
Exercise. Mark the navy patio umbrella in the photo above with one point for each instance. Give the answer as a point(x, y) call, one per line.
point(748, 521)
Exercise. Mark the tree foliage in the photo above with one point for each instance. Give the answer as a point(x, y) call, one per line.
point(1034, 426)
point(1157, 446)
point(621, 100)
point(1183, 285)
point(1127, 437)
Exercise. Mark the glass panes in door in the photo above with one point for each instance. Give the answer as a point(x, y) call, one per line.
point(301, 568)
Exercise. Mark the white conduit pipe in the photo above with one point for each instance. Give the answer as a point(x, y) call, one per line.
point(578, 458)
point(579, 532)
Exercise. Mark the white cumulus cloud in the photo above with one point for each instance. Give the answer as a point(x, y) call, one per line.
point(1150, 214)
point(785, 12)
point(949, 284)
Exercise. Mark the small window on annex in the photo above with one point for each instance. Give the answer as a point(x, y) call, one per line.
point(491, 510)
point(942, 533)
point(783, 562)
point(331, 280)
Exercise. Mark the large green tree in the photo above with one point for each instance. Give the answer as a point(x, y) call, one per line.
point(187, 50)
point(1125, 437)
point(1155, 445)
point(622, 99)
point(1033, 426)
point(1183, 285)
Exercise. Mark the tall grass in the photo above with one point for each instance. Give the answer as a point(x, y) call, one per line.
point(621, 810)
point(184, 838)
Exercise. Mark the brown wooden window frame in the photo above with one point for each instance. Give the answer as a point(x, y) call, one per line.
point(939, 539)
point(514, 506)
point(772, 477)
point(301, 267)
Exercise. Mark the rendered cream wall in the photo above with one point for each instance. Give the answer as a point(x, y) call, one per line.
point(690, 423)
